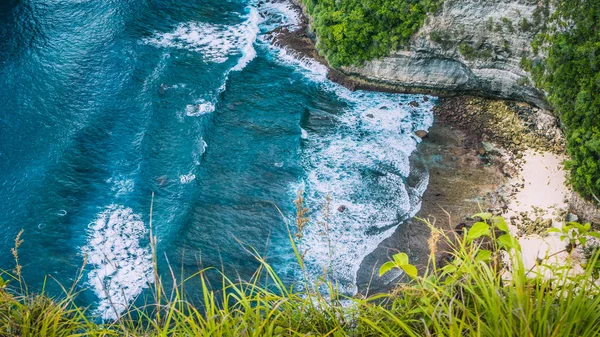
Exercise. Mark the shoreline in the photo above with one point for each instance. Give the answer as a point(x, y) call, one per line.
point(464, 178)
point(481, 154)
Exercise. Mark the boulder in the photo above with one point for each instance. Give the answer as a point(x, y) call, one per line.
point(421, 134)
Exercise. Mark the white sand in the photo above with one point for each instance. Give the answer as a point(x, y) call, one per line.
point(545, 188)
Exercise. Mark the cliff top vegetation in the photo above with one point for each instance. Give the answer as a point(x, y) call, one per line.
point(351, 32)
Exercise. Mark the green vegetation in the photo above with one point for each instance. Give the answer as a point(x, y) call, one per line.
point(570, 74)
point(508, 24)
point(354, 31)
point(439, 37)
point(525, 25)
point(471, 53)
point(490, 24)
point(467, 296)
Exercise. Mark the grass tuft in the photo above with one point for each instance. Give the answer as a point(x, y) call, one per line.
point(471, 295)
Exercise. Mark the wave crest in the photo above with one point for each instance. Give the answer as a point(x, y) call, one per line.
point(121, 265)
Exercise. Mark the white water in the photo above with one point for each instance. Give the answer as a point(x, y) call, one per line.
point(117, 250)
point(121, 265)
point(214, 43)
point(362, 166)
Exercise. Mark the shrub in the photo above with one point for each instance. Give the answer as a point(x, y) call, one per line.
point(508, 23)
point(470, 53)
point(570, 74)
point(525, 25)
point(354, 31)
point(490, 24)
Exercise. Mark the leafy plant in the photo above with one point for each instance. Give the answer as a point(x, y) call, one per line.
point(570, 74)
point(575, 233)
point(399, 261)
point(353, 31)
point(469, 296)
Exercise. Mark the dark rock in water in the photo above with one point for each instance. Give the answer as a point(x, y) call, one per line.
point(342, 208)
point(162, 180)
point(370, 115)
point(162, 89)
point(421, 134)
point(383, 108)
point(400, 104)
point(425, 99)
point(414, 104)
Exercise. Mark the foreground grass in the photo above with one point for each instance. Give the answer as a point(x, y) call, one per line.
point(469, 296)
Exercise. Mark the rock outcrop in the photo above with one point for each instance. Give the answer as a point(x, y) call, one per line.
point(470, 47)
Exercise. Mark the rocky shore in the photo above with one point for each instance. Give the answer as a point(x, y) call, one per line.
point(474, 154)
point(466, 47)
point(481, 154)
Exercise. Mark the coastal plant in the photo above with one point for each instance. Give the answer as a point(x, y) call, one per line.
point(354, 31)
point(567, 68)
point(575, 233)
point(467, 295)
point(472, 295)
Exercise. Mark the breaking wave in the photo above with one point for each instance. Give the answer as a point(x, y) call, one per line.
point(362, 164)
point(215, 43)
point(121, 264)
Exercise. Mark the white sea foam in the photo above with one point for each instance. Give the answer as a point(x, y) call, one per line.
point(121, 265)
point(199, 150)
point(250, 34)
point(187, 178)
point(201, 108)
point(121, 185)
point(214, 42)
point(303, 134)
point(362, 164)
point(281, 14)
point(310, 68)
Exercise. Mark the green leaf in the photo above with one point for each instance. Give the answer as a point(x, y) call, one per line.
point(479, 229)
point(483, 216)
point(449, 268)
point(582, 240)
point(483, 255)
point(508, 242)
point(401, 259)
point(594, 234)
point(410, 270)
point(500, 223)
point(386, 267)
point(553, 230)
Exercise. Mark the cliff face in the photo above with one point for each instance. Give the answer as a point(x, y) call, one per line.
point(467, 47)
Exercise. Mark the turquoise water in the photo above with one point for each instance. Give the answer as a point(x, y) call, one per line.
point(106, 102)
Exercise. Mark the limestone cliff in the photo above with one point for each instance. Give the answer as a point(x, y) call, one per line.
point(467, 47)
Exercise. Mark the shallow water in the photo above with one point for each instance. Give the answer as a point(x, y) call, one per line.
point(106, 102)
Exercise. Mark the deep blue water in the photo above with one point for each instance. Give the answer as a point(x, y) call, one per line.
point(104, 103)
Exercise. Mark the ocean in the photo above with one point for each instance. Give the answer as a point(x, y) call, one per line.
point(105, 104)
